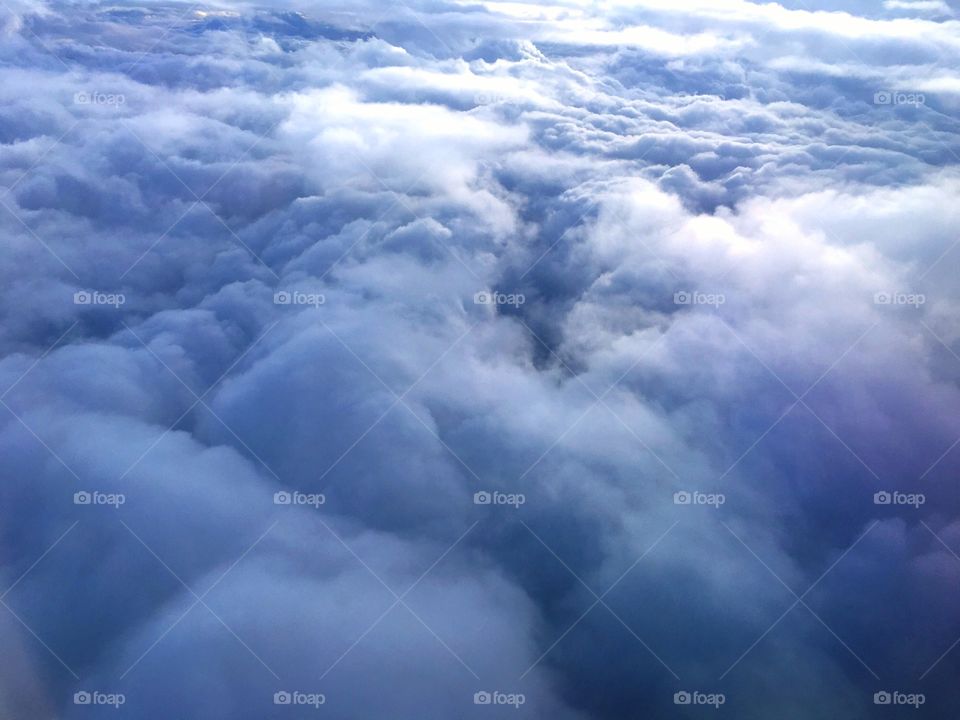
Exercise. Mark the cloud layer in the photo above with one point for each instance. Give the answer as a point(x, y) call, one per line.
point(671, 284)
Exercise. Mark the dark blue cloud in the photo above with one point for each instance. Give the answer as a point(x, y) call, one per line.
point(670, 285)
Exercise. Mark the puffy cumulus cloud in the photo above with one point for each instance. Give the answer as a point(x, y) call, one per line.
point(671, 285)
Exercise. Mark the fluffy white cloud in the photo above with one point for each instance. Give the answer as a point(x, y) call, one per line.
point(720, 238)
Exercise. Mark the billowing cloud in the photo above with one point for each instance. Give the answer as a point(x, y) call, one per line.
point(586, 359)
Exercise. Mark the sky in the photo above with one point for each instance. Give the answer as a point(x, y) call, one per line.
point(583, 360)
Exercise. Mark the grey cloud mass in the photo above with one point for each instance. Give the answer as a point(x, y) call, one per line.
point(671, 284)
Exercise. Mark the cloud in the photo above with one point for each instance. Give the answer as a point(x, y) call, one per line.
point(671, 283)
